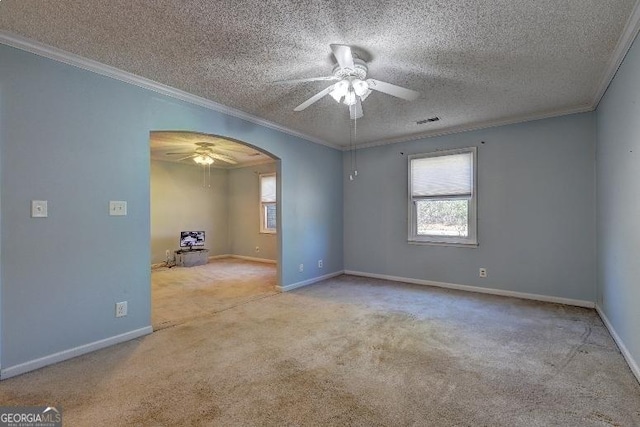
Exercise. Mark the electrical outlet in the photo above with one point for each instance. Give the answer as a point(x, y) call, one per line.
point(257, 249)
point(301, 268)
point(320, 263)
point(117, 208)
point(121, 309)
point(483, 272)
point(38, 209)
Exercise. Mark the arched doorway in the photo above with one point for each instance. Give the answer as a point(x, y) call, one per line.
point(221, 195)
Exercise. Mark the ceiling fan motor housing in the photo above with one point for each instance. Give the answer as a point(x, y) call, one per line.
point(359, 71)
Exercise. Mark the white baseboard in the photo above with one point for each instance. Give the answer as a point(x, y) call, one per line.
point(633, 365)
point(250, 258)
point(41, 362)
point(467, 288)
point(309, 281)
point(223, 256)
point(246, 258)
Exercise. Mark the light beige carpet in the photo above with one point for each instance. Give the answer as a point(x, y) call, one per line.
point(353, 351)
point(179, 294)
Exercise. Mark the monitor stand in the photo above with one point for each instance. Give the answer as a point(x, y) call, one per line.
point(191, 257)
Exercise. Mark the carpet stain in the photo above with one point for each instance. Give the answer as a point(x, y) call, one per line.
point(598, 416)
point(166, 406)
point(310, 391)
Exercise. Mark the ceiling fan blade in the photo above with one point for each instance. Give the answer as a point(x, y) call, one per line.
point(222, 149)
point(343, 55)
point(223, 158)
point(188, 157)
point(239, 149)
point(355, 110)
point(313, 99)
point(311, 79)
point(393, 90)
point(184, 152)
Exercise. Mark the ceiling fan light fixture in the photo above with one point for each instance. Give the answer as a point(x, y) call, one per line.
point(335, 95)
point(360, 87)
point(340, 89)
point(203, 160)
point(350, 98)
point(365, 95)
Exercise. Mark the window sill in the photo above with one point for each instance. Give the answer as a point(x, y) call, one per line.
point(268, 232)
point(434, 243)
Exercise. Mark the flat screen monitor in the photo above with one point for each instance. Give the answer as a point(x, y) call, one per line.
point(188, 239)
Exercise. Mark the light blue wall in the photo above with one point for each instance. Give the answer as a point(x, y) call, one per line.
point(536, 211)
point(68, 140)
point(78, 140)
point(618, 195)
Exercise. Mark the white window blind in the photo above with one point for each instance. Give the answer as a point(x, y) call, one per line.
point(268, 209)
point(450, 175)
point(268, 188)
point(442, 197)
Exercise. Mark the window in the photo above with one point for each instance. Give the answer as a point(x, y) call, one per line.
point(442, 197)
point(268, 203)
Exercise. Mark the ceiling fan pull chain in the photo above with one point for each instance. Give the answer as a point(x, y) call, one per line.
point(355, 149)
point(350, 148)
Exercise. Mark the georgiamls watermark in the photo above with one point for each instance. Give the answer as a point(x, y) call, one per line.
point(30, 416)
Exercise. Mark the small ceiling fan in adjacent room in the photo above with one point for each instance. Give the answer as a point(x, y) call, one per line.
point(205, 154)
point(352, 85)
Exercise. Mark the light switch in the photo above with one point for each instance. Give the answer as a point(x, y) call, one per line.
point(117, 208)
point(38, 209)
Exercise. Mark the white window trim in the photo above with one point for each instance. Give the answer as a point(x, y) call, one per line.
point(261, 205)
point(472, 239)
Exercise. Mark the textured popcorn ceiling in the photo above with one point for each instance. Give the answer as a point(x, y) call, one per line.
point(474, 61)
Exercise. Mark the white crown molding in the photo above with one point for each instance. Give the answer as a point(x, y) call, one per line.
point(632, 28)
point(74, 60)
point(477, 126)
point(629, 34)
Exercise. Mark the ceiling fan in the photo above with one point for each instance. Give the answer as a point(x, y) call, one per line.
point(205, 154)
point(353, 86)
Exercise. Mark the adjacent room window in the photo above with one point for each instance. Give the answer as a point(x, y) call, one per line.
point(442, 197)
point(268, 203)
